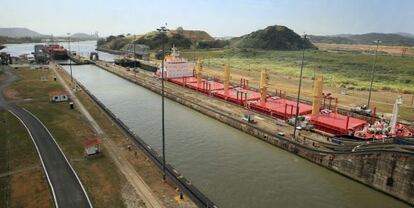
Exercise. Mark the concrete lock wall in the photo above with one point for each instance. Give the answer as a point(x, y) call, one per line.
point(388, 171)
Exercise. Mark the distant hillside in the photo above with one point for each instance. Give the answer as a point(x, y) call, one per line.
point(18, 32)
point(272, 38)
point(6, 40)
point(406, 34)
point(331, 39)
point(84, 36)
point(369, 38)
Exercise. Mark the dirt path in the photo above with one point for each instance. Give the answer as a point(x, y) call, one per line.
point(122, 163)
point(27, 169)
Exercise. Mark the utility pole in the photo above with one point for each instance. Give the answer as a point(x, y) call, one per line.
point(135, 61)
point(163, 30)
point(300, 85)
point(372, 73)
point(70, 61)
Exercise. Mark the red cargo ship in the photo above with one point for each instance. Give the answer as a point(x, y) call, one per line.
point(57, 51)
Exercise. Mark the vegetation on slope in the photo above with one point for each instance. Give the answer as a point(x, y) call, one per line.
point(180, 38)
point(154, 40)
point(213, 44)
point(273, 38)
point(113, 42)
point(193, 35)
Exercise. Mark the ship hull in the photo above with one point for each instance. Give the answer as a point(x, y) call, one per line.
point(59, 56)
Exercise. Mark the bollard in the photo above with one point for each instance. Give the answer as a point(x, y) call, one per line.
point(71, 105)
point(181, 195)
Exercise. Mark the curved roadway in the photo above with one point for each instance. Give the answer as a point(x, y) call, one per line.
point(66, 188)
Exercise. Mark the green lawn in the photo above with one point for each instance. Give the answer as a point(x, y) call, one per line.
point(102, 180)
point(32, 86)
point(350, 68)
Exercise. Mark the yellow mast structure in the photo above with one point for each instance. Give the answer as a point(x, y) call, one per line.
point(317, 95)
point(199, 72)
point(264, 83)
point(226, 79)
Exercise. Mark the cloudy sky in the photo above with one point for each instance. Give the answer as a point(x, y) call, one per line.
point(218, 17)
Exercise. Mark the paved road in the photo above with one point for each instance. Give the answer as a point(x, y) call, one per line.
point(67, 190)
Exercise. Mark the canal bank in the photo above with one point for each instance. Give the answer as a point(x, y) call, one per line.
point(214, 158)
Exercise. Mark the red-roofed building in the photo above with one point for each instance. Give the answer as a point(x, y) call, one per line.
point(92, 146)
point(58, 96)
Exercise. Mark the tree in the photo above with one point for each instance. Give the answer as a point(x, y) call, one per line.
point(180, 30)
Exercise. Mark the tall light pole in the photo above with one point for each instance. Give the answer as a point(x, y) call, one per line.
point(135, 61)
point(162, 30)
point(372, 72)
point(300, 85)
point(70, 61)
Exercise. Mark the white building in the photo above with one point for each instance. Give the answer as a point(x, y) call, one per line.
point(58, 96)
point(93, 146)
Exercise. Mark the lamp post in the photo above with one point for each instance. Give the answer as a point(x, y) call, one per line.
point(70, 61)
point(135, 61)
point(162, 30)
point(300, 85)
point(372, 72)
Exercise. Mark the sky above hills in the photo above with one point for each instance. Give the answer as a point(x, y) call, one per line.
point(218, 17)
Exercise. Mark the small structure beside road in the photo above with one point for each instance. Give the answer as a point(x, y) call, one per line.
point(93, 146)
point(58, 96)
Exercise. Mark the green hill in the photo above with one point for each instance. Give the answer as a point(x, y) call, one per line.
point(272, 38)
point(154, 40)
point(179, 37)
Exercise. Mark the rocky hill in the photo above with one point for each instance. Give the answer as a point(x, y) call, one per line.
point(272, 38)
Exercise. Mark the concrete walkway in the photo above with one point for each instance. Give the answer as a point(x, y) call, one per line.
point(121, 162)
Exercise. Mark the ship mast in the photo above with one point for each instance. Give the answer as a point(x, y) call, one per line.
point(264, 83)
point(226, 79)
point(395, 112)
